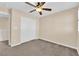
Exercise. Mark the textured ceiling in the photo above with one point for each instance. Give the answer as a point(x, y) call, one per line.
point(55, 6)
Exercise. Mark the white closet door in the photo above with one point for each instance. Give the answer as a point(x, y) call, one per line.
point(28, 29)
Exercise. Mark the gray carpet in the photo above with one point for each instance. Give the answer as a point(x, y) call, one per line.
point(36, 48)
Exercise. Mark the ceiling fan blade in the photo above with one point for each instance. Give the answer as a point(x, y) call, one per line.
point(42, 3)
point(30, 4)
point(32, 10)
point(38, 3)
point(47, 9)
point(40, 13)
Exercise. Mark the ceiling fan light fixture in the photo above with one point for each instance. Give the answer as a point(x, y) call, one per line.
point(38, 9)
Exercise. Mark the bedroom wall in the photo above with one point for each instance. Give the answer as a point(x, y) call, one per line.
point(4, 10)
point(78, 33)
point(28, 29)
point(4, 28)
point(4, 24)
point(60, 28)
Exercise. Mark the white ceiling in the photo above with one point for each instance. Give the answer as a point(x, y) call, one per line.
point(55, 6)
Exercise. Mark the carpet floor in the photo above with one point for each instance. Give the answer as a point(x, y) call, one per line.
point(36, 48)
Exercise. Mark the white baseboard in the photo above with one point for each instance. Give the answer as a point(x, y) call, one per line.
point(27, 40)
point(59, 43)
point(45, 40)
point(15, 45)
point(22, 42)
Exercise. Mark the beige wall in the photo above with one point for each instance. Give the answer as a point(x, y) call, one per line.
point(78, 33)
point(4, 28)
point(60, 28)
point(4, 10)
point(4, 24)
point(78, 43)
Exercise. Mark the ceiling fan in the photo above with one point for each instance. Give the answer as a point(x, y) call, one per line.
point(39, 7)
